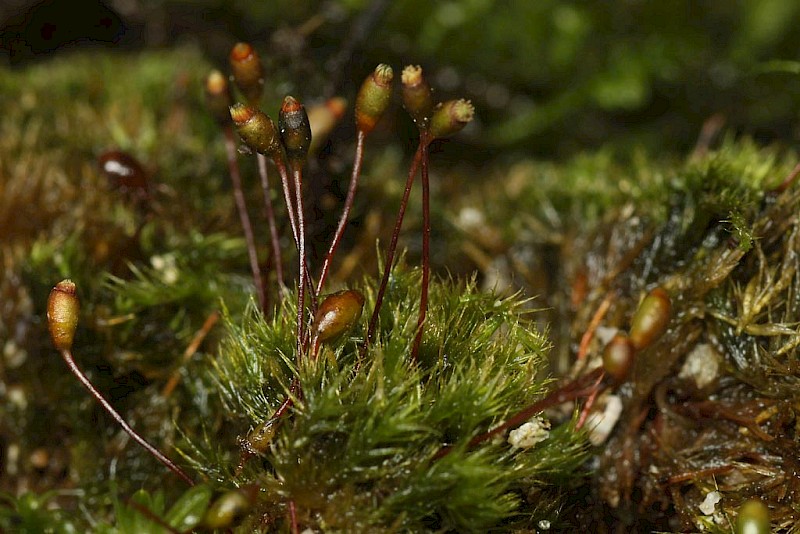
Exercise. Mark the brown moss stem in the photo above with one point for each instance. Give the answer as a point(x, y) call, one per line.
point(348, 205)
point(244, 217)
point(273, 228)
point(66, 355)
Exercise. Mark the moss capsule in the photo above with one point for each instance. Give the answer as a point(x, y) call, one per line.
point(618, 357)
point(218, 96)
point(373, 97)
point(417, 95)
point(227, 510)
point(259, 439)
point(450, 117)
point(323, 118)
point(248, 72)
point(651, 319)
point(62, 314)
point(256, 129)
point(123, 171)
point(337, 314)
point(753, 518)
point(295, 131)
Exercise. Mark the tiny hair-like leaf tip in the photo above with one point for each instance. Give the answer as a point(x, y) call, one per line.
point(450, 117)
point(62, 314)
point(256, 129)
point(295, 131)
point(248, 72)
point(417, 95)
point(218, 96)
point(373, 97)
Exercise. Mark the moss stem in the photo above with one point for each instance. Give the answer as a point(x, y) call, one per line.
point(390, 252)
point(66, 354)
point(348, 205)
point(273, 229)
point(241, 206)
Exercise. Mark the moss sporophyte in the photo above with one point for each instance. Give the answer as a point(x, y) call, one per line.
point(403, 402)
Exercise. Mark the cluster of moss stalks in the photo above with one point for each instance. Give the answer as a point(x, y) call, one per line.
point(378, 440)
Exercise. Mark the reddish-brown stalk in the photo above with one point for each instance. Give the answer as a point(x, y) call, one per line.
point(73, 367)
point(63, 310)
point(390, 252)
point(426, 245)
point(273, 228)
point(244, 217)
point(301, 231)
point(348, 205)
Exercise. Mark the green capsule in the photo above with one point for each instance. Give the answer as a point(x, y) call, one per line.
point(259, 439)
point(753, 518)
point(256, 129)
point(337, 314)
point(450, 117)
point(373, 97)
point(651, 319)
point(618, 357)
point(227, 510)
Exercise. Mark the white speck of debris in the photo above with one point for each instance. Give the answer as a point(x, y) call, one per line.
point(166, 265)
point(470, 219)
point(600, 424)
point(701, 365)
point(544, 524)
point(604, 334)
point(529, 434)
point(709, 504)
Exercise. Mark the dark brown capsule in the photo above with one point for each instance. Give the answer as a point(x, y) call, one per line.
point(651, 319)
point(123, 171)
point(618, 357)
point(295, 131)
point(337, 314)
point(63, 310)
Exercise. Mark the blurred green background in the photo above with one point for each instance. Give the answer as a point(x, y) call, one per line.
point(549, 78)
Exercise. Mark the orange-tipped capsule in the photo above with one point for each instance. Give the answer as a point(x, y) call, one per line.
point(373, 98)
point(618, 357)
point(450, 117)
point(248, 72)
point(337, 314)
point(753, 518)
point(417, 95)
point(323, 118)
point(62, 314)
point(295, 131)
point(218, 96)
point(651, 319)
point(256, 129)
